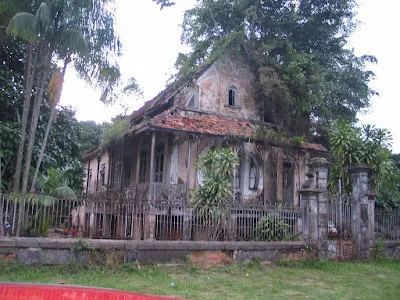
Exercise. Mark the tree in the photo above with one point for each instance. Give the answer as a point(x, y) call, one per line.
point(89, 136)
point(305, 74)
point(164, 3)
point(61, 29)
point(351, 145)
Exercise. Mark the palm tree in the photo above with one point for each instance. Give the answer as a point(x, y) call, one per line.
point(59, 30)
point(54, 191)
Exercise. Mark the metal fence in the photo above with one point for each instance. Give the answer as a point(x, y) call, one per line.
point(39, 215)
point(228, 224)
point(339, 215)
point(135, 218)
point(387, 224)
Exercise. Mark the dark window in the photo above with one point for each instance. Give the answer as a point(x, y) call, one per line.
point(232, 97)
point(191, 101)
point(117, 174)
point(142, 166)
point(127, 171)
point(89, 179)
point(158, 176)
point(288, 183)
point(103, 175)
point(253, 174)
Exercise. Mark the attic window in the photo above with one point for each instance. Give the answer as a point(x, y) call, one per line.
point(232, 96)
point(191, 101)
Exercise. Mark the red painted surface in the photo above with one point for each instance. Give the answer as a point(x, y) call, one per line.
point(22, 291)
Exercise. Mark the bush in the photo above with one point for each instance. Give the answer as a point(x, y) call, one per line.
point(271, 228)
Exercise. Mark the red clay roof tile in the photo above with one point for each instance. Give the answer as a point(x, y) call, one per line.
point(202, 123)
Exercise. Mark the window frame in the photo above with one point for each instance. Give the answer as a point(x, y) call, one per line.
point(254, 173)
point(103, 175)
point(159, 162)
point(143, 158)
point(232, 96)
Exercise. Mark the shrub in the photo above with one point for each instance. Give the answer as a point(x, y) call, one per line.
point(271, 228)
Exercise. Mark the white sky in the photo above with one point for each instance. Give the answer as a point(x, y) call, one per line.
point(151, 43)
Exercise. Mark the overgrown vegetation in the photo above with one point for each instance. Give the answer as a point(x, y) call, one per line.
point(306, 76)
point(272, 228)
point(351, 145)
point(114, 131)
point(212, 200)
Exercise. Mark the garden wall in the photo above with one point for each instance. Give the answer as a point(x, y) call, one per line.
point(62, 251)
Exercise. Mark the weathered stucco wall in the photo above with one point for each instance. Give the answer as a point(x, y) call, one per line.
point(210, 92)
point(95, 165)
point(214, 87)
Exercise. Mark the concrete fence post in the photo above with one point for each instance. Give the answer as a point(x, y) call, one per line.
point(363, 203)
point(314, 198)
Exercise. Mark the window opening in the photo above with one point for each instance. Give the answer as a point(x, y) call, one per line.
point(142, 166)
point(117, 174)
point(232, 97)
point(127, 170)
point(191, 101)
point(103, 175)
point(253, 174)
point(90, 179)
point(288, 183)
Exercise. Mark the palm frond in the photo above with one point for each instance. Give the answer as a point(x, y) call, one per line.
point(70, 41)
point(22, 25)
point(43, 18)
point(65, 193)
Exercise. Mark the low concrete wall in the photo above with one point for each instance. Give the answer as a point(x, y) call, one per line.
point(392, 249)
point(62, 251)
point(388, 248)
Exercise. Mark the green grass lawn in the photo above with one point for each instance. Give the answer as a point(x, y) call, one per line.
point(307, 280)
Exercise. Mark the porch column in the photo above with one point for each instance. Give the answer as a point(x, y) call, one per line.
point(362, 210)
point(137, 216)
point(150, 218)
point(187, 216)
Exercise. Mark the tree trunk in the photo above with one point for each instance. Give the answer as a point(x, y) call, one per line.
point(32, 135)
point(30, 75)
point(46, 135)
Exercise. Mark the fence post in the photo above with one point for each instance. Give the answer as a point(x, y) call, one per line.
point(309, 204)
point(315, 200)
point(363, 206)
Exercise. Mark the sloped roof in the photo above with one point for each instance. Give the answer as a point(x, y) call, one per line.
point(163, 97)
point(197, 122)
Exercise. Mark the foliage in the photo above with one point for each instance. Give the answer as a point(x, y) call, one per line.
point(89, 135)
point(164, 3)
point(64, 143)
point(53, 189)
point(56, 183)
point(271, 228)
point(218, 167)
point(351, 145)
point(298, 49)
point(213, 199)
point(114, 131)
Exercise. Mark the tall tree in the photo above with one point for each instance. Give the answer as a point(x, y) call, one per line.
point(61, 30)
point(306, 76)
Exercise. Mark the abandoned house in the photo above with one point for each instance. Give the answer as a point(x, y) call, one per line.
point(155, 162)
